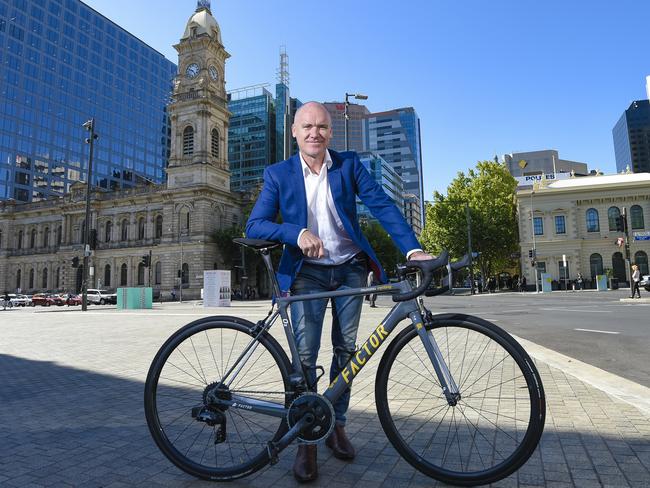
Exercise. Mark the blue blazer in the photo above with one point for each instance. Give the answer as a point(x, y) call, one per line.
point(284, 192)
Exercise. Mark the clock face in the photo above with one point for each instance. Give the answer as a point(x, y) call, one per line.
point(192, 70)
point(214, 74)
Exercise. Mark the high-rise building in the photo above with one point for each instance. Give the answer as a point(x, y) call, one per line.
point(64, 63)
point(260, 128)
point(387, 178)
point(632, 138)
point(251, 144)
point(541, 162)
point(395, 136)
point(356, 115)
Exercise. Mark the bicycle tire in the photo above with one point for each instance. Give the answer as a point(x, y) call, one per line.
point(406, 418)
point(172, 390)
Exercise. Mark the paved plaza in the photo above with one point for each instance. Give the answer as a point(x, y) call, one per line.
point(71, 396)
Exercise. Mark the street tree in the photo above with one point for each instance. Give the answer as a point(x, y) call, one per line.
point(489, 191)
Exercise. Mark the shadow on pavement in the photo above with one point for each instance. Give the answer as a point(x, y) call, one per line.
point(62, 425)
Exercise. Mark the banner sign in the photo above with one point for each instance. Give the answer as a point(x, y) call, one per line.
point(642, 236)
point(216, 288)
point(550, 178)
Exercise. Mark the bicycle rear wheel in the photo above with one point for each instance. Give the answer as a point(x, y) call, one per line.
point(498, 421)
point(188, 365)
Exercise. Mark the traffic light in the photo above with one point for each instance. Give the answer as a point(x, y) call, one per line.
point(75, 262)
point(621, 224)
point(530, 253)
point(92, 239)
point(145, 260)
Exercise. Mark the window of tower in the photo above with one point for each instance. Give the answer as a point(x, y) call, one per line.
point(215, 143)
point(188, 141)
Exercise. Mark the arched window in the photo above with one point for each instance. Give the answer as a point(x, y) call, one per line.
point(109, 231)
point(185, 274)
point(123, 275)
point(58, 235)
point(618, 266)
point(215, 143)
point(158, 273)
point(18, 278)
point(31, 278)
point(141, 274)
point(188, 141)
point(612, 215)
point(596, 265)
point(636, 217)
point(592, 220)
point(159, 226)
point(107, 275)
point(32, 239)
point(641, 260)
point(57, 278)
point(141, 228)
point(46, 237)
point(125, 230)
point(184, 217)
point(19, 240)
point(44, 283)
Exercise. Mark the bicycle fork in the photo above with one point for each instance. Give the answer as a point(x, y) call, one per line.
point(449, 386)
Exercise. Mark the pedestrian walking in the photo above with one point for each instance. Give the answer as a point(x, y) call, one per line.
point(372, 298)
point(5, 301)
point(636, 277)
point(173, 293)
point(579, 281)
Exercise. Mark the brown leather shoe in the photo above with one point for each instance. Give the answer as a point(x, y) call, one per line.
point(305, 468)
point(339, 443)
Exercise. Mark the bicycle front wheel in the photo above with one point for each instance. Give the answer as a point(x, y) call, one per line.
point(493, 428)
point(186, 368)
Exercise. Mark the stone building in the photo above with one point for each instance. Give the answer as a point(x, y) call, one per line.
point(176, 221)
point(576, 217)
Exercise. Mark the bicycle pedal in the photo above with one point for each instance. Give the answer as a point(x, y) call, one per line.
point(220, 435)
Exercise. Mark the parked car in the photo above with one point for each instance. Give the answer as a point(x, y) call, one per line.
point(73, 300)
point(101, 297)
point(43, 300)
point(59, 300)
point(20, 300)
point(645, 282)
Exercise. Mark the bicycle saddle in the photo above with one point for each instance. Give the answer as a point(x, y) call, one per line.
point(257, 244)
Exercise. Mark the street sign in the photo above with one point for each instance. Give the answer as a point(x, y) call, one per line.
point(642, 236)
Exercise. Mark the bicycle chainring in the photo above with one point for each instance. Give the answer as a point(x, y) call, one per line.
point(323, 412)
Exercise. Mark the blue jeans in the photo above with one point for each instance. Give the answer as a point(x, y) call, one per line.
point(307, 318)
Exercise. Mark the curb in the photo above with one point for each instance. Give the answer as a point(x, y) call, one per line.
point(633, 393)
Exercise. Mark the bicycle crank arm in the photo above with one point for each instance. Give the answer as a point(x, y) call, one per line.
point(274, 448)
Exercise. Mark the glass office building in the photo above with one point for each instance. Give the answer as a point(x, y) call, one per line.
point(251, 136)
point(386, 177)
point(632, 138)
point(356, 115)
point(62, 64)
point(395, 136)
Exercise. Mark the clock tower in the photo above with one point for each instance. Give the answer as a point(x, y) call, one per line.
point(199, 109)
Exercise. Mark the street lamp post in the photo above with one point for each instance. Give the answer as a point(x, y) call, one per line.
point(356, 96)
point(90, 127)
point(532, 223)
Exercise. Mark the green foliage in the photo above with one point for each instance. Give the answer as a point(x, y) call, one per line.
point(228, 250)
point(489, 191)
point(387, 253)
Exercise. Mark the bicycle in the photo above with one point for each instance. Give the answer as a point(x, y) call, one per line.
point(458, 398)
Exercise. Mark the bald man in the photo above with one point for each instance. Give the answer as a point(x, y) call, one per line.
point(315, 191)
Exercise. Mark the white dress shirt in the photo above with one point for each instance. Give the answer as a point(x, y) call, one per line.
point(323, 220)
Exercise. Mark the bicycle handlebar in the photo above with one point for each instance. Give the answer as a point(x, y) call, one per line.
point(427, 268)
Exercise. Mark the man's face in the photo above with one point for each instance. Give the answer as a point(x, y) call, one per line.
point(313, 130)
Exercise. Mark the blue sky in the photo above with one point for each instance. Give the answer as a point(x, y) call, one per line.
point(484, 77)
